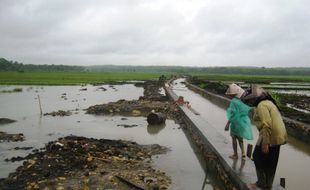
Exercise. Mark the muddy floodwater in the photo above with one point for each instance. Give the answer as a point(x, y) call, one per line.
point(180, 163)
point(294, 157)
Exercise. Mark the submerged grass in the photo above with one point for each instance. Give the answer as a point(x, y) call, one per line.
point(12, 91)
point(70, 78)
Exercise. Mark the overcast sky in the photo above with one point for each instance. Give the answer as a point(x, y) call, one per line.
point(270, 33)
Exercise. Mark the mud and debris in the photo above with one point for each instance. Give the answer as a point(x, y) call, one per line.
point(127, 126)
point(6, 121)
point(101, 89)
point(133, 108)
point(11, 137)
point(151, 101)
point(112, 86)
point(61, 113)
point(152, 91)
point(22, 148)
point(83, 89)
point(12, 91)
point(211, 86)
point(85, 163)
point(14, 159)
point(64, 96)
point(300, 102)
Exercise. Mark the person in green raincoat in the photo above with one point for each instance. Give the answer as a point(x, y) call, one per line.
point(238, 120)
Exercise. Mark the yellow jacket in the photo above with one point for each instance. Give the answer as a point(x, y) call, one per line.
point(268, 121)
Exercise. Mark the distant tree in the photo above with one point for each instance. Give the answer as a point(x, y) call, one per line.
point(6, 65)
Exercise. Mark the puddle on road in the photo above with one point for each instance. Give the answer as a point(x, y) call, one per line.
point(180, 163)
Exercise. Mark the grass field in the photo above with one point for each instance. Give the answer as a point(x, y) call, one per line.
point(70, 78)
point(75, 78)
point(254, 78)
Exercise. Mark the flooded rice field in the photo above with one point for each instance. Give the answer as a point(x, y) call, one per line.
point(288, 88)
point(292, 92)
point(181, 162)
point(294, 157)
point(293, 102)
point(292, 88)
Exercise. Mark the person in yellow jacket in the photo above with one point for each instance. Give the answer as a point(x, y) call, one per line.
point(272, 134)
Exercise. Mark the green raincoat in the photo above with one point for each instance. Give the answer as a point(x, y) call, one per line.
point(237, 114)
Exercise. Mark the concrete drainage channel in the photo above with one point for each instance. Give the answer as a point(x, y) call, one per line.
point(295, 152)
point(214, 148)
point(214, 160)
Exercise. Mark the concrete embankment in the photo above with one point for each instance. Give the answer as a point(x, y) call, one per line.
point(294, 128)
point(215, 149)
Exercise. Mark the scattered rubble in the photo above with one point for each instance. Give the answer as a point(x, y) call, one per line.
point(127, 126)
point(301, 102)
point(101, 88)
point(83, 89)
point(11, 137)
point(64, 96)
point(152, 101)
point(59, 113)
point(12, 91)
point(85, 163)
point(23, 148)
point(133, 108)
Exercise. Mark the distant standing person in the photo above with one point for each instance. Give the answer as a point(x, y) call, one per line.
point(238, 120)
point(272, 134)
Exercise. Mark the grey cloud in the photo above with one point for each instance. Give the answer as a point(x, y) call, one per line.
point(201, 33)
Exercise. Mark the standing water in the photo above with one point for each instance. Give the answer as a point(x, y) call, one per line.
point(180, 163)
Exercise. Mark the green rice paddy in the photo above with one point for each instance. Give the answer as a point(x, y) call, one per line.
point(70, 78)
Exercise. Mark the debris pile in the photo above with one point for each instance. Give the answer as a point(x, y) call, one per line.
point(152, 92)
point(101, 89)
point(11, 137)
point(152, 101)
point(85, 163)
point(59, 113)
point(12, 91)
point(295, 106)
point(133, 108)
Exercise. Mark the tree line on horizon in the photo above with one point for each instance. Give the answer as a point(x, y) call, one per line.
point(13, 66)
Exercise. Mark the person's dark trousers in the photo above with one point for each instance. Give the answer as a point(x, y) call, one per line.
point(266, 165)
